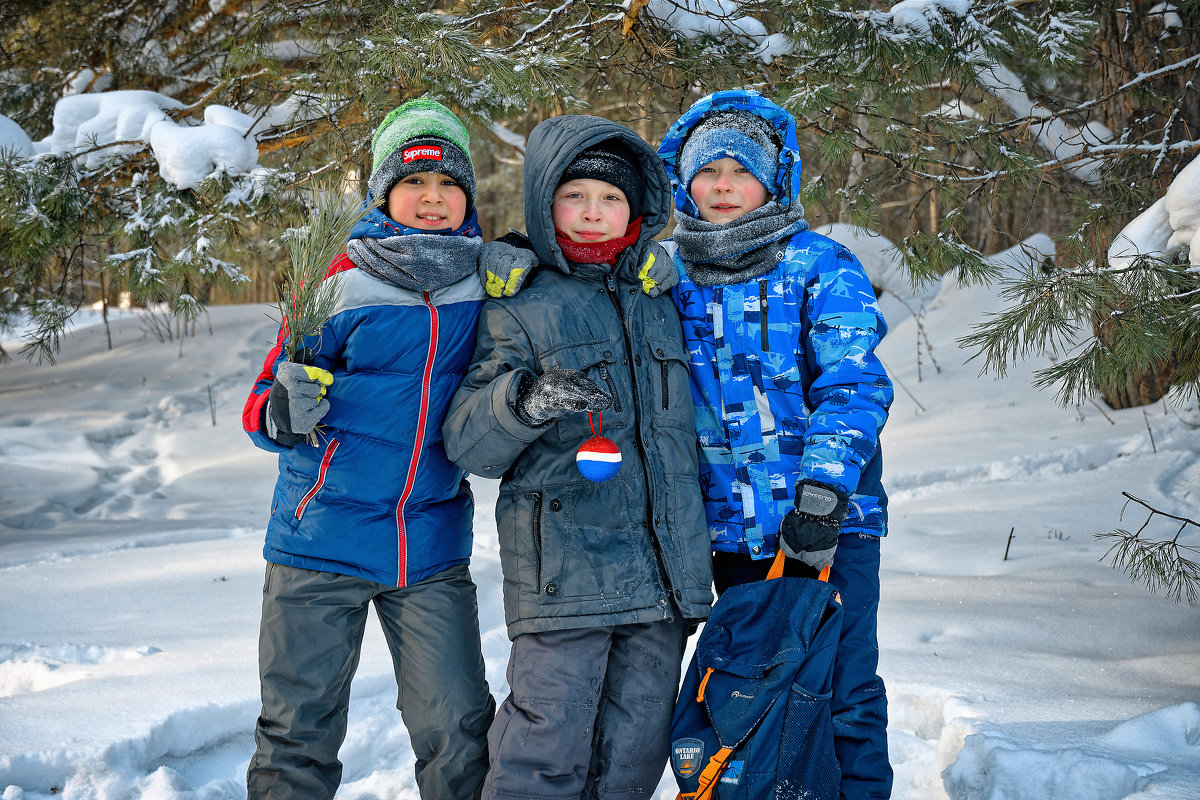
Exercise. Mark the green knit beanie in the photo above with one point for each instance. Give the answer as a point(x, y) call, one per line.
point(421, 135)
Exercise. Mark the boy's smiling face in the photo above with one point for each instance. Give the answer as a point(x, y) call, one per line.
point(428, 201)
point(588, 210)
point(724, 190)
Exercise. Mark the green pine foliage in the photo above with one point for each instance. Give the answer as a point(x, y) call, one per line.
point(1161, 564)
point(306, 299)
point(916, 120)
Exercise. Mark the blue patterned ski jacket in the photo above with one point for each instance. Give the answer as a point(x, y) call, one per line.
point(784, 376)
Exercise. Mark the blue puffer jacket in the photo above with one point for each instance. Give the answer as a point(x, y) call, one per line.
point(377, 497)
point(784, 376)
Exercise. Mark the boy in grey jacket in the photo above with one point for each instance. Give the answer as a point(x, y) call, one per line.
point(600, 579)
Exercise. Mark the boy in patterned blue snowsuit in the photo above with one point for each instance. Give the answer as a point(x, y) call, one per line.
point(781, 324)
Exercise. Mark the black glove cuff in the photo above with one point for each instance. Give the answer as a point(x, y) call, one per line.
point(516, 239)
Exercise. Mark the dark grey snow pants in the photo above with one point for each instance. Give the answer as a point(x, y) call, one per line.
point(588, 713)
point(309, 645)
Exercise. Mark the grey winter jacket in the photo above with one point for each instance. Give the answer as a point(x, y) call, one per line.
point(576, 553)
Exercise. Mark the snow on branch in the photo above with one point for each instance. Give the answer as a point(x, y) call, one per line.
point(1168, 227)
point(105, 125)
point(1062, 140)
point(719, 19)
point(98, 127)
point(923, 18)
point(918, 21)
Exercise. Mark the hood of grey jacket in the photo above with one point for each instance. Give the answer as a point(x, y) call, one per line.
point(558, 141)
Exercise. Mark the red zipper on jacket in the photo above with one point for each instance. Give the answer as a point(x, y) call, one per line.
point(325, 459)
point(418, 442)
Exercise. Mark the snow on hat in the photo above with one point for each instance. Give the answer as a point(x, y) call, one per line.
point(611, 162)
point(421, 136)
point(745, 137)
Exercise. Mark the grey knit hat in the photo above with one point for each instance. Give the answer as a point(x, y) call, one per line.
point(421, 136)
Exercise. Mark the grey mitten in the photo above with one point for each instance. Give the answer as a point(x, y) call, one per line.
point(297, 402)
point(809, 532)
point(557, 392)
point(505, 263)
point(657, 273)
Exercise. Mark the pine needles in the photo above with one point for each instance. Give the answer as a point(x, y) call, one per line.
point(1160, 564)
point(306, 299)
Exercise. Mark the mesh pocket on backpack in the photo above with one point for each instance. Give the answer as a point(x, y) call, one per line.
point(808, 766)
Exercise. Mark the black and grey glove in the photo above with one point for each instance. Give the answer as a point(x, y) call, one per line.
point(657, 273)
point(551, 395)
point(809, 532)
point(297, 402)
point(505, 264)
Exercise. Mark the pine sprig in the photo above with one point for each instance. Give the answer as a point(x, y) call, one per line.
point(1160, 564)
point(307, 300)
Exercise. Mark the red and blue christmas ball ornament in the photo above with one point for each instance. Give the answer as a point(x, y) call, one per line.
point(599, 458)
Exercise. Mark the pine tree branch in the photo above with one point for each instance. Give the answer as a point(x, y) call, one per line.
point(1157, 563)
point(1155, 512)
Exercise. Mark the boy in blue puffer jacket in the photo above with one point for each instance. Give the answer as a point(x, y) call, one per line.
point(375, 513)
point(781, 326)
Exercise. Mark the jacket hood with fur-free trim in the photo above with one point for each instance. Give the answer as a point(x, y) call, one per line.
point(788, 175)
point(553, 145)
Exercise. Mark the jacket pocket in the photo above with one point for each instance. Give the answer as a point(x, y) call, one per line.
point(519, 525)
point(593, 549)
point(669, 374)
point(322, 471)
point(535, 530)
point(600, 362)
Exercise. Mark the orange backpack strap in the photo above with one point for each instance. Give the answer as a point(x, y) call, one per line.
point(708, 778)
point(703, 684)
point(776, 570)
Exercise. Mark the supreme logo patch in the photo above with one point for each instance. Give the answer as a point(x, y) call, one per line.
point(428, 151)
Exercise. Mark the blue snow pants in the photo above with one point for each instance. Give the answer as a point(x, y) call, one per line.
point(859, 706)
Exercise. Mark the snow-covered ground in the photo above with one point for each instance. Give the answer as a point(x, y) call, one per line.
point(130, 578)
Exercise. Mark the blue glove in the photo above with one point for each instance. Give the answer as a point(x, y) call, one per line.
point(297, 402)
point(809, 532)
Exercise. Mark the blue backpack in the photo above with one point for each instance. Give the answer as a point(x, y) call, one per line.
point(752, 721)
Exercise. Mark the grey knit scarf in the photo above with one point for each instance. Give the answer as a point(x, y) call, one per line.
point(418, 261)
point(738, 250)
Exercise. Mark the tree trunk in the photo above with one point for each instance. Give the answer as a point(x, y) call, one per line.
point(1132, 43)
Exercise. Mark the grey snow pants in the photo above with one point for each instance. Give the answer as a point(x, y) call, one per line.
point(588, 713)
point(309, 645)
